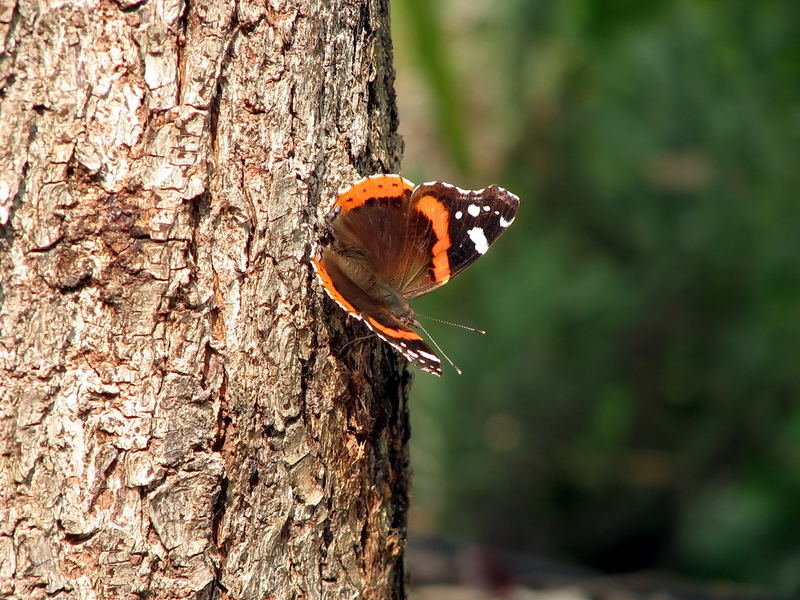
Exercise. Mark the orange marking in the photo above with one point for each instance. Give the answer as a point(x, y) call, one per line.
point(327, 283)
point(405, 334)
point(390, 186)
point(439, 218)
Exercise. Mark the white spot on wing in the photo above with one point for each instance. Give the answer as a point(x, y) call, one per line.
point(479, 239)
point(487, 208)
point(459, 214)
point(473, 210)
point(429, 356)
point(504, 223)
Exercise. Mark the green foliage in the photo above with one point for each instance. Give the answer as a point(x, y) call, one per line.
point(635, 403)
point(425, 40)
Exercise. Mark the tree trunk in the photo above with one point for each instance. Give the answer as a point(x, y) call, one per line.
point(179, 415)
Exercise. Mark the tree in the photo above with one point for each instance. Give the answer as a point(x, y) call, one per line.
point(182, 413)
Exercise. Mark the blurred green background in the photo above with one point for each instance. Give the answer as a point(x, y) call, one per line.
point(635, 402)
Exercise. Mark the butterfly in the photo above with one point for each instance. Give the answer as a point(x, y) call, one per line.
point(388, 241)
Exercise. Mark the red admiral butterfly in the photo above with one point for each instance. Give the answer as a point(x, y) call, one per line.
point(388, 242)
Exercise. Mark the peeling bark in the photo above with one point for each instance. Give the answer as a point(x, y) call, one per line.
point(179, 417)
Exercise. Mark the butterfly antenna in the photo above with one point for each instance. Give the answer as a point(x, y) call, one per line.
point(467, 327)
point(439, 348)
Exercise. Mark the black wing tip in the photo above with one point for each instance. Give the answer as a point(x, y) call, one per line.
point(494, 190)
point(433, 370)
point(415, 356)
point(427, 365)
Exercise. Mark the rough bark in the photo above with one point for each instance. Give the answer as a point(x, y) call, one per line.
point(179, 415)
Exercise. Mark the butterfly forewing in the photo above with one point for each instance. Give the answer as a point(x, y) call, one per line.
point(460, 227)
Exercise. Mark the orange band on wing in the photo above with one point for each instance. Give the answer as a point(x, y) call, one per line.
point(327, 283)
point(439, 217)
point(388, 186)
point(405, 334)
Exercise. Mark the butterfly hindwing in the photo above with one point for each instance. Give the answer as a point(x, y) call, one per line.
point(369, 222)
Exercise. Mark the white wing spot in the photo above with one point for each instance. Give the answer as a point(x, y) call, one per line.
point(487, 208)
point(504, 223)
point(473, 210)
point(459, 214)
point(429, 356)
point(479, 239)
point(497, 212)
